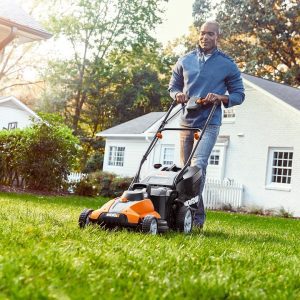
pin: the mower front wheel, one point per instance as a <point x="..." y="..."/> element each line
<point x="149" y="225"/>
<point x="184" y="219"/>
<point x="84" y="220"/>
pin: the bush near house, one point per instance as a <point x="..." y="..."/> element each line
<point x="102" y="183"/>
<point x="39" y="157"/>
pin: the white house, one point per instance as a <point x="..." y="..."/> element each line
<point x="15" y="114"/>
<point x="258" y="146"/>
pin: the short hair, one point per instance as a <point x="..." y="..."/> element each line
<point x="213" y="22"/>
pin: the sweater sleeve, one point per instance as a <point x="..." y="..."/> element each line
<point x="176" y="82"/>
<point x="235" y="87"/>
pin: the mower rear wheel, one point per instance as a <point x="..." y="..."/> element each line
<point x="84" y="217"/>
<point x="149" y="225"/>
<point x="184" y="219"/>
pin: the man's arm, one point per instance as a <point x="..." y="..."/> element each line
<point x="235" y="88"/>
<point x="176" y="84"/>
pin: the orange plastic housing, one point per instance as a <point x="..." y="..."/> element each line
<point x="135" y="211"/>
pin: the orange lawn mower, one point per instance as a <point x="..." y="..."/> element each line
<point x="163" y="200"/>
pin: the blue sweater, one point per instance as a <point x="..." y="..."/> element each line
<point x="196" y="78"/>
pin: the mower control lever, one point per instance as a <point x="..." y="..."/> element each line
<point x="194" y="103"/>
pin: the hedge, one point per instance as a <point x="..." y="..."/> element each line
<point x="102" y="183"/>
<point x="39" y="157"/>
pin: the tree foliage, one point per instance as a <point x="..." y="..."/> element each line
<point x="114" y="72"/>
<point x="262" y="35"/>
<point x="94" y="29"/>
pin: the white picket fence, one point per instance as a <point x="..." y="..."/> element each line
<point x="75" y="177"/>
<point x="218" y="193"/>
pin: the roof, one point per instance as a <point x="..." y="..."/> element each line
<point x="11" y="101"/>
<point x="136" y="126"/>
<point x="286" y="93"/>
<point x="12" y="15"/>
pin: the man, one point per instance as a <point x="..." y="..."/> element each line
<point x="205" y="73"/>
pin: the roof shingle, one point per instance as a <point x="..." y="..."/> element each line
<point x="286" y="93"/>
<point x="135" y="126"/>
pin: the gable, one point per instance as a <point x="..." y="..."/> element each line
<point x="278" y="91"/>
<point x="15" y="104"/>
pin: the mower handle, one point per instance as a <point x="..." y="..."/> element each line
<point x="161" y="128"/>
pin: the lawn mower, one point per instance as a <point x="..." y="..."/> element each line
<point x="162" y="200"/>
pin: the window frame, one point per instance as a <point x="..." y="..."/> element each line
<point x="163" y="149"/>
<point x="271" y="166"/>
<point x="114" y="155"/>
<point x="12" y="125"/>
<point x="231" y="112"/>
<point x="212" y="158"/>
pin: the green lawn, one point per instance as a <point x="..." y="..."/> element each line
<point x="44" y="255"/>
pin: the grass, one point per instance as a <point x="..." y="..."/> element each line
<point x="44" y="255"/>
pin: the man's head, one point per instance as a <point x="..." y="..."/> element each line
<point x="209" y="35"/>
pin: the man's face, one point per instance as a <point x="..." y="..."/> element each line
<point x="208" y="37"/>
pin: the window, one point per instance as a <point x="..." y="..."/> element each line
<point x="229" y="113"/>
<point x="280" y="167"/>
<point x="214" y="158"/>
<point x="168" y="155"/>
<point x="116" y="156"/>
<point x="12" y="125"/>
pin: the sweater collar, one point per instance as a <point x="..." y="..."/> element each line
<point x="200" y="51"/>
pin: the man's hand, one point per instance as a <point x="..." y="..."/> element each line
<point x="181" y="98"/>
<point x="211" y="98"/>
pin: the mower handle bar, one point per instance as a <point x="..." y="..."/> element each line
<point x="152" y="144"/>
<point x="161" y="128"/>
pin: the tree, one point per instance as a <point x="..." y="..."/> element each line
<point x="132" y="83"/>
<point x="93" y="29"/>
<point x="15" y="62"/>
<point x="262" y="35"/>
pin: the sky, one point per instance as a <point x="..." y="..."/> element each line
<point x="176" y="20"/>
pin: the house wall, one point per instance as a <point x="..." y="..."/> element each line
<point x="12" y="114"/>
<point x="262" y="122"/>
<point x="134" y="150"/>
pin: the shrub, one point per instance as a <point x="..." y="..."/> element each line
<point x="39" y="157"/>
<point x="105" y="184"/>
<point x="85" y="188"/>
<point x="119" y="185"/>
<point x="94" y="164"/>
<point x="284" y="213"/>
<point x="12" y="156"/>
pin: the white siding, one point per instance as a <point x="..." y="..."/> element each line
<point x="10" y="114"/>
<point x="261" y="122"/>
<point x="134" y="150"/>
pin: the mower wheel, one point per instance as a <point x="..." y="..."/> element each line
<point x="84" y="217"/>
<point x="162" y="226"/>
<point x="149" y="225"/>
<point x="184" y="219"/>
